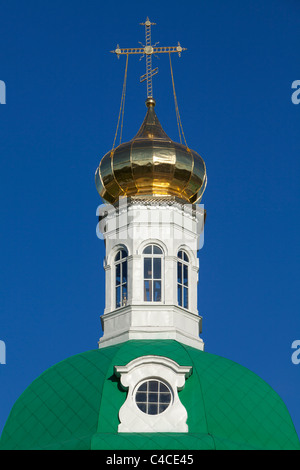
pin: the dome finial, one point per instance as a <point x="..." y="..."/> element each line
<point x="150" y="102"/>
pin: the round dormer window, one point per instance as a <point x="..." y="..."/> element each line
<point x="153" y="397"/>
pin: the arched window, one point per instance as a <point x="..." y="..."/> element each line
<point x="183" y="279"/>
<point x="121" y="278"/>
<point x="153" y="256"/>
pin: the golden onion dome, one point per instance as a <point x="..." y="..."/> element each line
<point x="151" y="164"/>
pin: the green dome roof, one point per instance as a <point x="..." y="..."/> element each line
<point x="75" y="405"/>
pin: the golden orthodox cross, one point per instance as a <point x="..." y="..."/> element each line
<point x="148" y="50"/>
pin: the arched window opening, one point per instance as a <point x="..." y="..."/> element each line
<point x="153" y="256"/>
<point x="121" y="287"/>
<point x="183" y="279"/>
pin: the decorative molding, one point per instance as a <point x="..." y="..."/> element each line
<point x="155" y="322"/>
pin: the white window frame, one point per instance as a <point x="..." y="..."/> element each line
<point x="115" y="263"/>
<point x="162" y="280"/>
<point x="186" y="263"/>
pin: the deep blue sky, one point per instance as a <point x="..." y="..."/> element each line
<point x="63" y="95"/>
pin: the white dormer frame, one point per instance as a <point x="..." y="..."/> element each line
<point x="165" y="370"/>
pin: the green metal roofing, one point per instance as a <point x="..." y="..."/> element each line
<point x="75" y="405"/>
